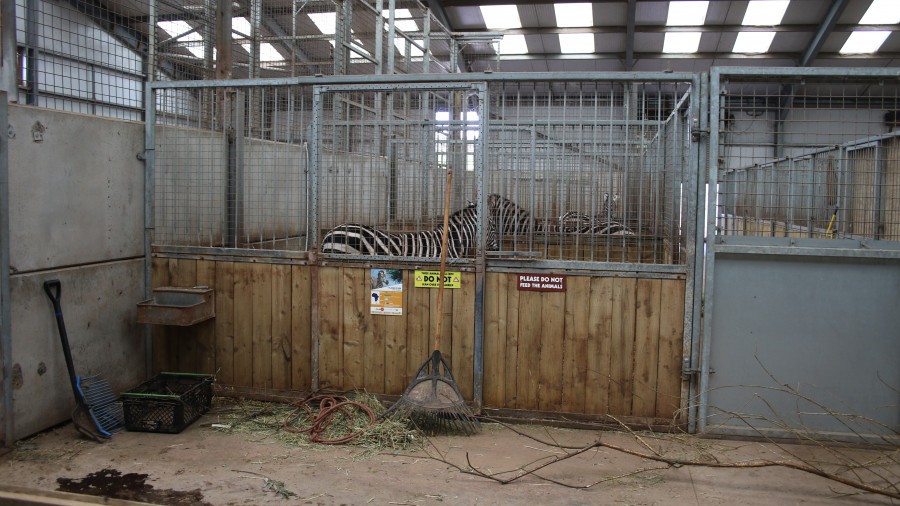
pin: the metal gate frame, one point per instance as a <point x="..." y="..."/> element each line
<point x="763" y="247"/>
<point x="692" y="222"/>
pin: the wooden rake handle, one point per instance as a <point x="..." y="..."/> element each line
<point x="440" y="300"/>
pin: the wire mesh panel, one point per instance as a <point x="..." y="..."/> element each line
<point x="809" y="157"/>
<point x="232" y="167"/>
<point x="93" y="57"/>
<point x="590" y="170"/>
<point x="382" y="158"/>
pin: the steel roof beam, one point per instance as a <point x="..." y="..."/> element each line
<point x="822" y="33"/>
<point x="629" y="35"/>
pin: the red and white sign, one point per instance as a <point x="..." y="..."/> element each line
<point x="542" y="282"/>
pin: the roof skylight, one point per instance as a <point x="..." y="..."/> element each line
<point x="414" y="51"/>
<point x="513" y="44"/>
<point x="500" y="17"/>
<point x="882" y="12"/>
<point x="576" y="42"/>
<point x="765" y="12"/>
<point x="691" y="13"/>
<point x="324" y="21"/>
<point x="753" y="42"/>
<point x="402" y="20"/>
<point x="184" y="33"/>
<point x="760" y="13"/>
<point x="681" y="42"/>
<point x="879" y="12"/>
<point x="864" y="42"/>
<point x="267" y="52"/>
<point x="574" y="15"/>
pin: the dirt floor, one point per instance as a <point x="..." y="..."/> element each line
<point x="205" y="466"/>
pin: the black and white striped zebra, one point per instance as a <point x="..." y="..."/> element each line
<point x="356" y="239"/>
<point x="513" y="221"/>
<point x="579" y="223"/>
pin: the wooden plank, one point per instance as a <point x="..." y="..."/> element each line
<point x="509" y="286"/>
<point x="463" y="331"/>
<point x="243" y="324"/>
<point x="622" y="351"/>
<point x="356" y="323"/>
<point x="494" y="341"/>
<point x="529" y="351"/>
<point x="575" y="352"/>
<point x="646" y="346"/>
<point x="599" y="345"/>
<point x="224" y="341"/>
<point x="330" y="338"/>
<point x="160" y="277"/>
<point x="301" y="344"/>
<point x="551" y="351"/>
<point x="261" y="292"/>
<point x="206" y="331"/>
<point x="281" y="326"/>
<point x="671" y="337"/>
<point x="183" y="353"/>
<point x="418" y="326"/>
<point x="395" y="346"/>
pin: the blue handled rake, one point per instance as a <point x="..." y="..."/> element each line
<point x="93" y="394"/>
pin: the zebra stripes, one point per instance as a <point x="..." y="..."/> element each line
<point x="513" y="221"/>
<point x="356" y="239"/>
<point x="505" y="220"/>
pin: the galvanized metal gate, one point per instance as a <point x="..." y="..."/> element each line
<point x="592" y="175"/>
<point x="802" y="281"/>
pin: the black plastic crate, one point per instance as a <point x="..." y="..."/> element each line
<point x="168" y="402"/>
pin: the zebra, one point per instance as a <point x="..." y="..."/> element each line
<point x="514" y="221"/>
<point x="580" y="223"/>
<point x="356" y="239"/>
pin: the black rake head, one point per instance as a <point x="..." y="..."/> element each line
<point x="433" y="402"/>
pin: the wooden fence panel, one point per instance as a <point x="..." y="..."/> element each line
<point x="607" y="345"/>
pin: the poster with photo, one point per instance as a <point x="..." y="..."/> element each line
<point x="386" y="294"/>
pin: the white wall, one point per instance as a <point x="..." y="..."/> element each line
<point x="76" y="214"/>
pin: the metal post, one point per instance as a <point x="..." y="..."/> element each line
<point x="313" y="218"/>
<point x="392" y="33"/>
<point x="149" y="210"/>
<point x="234" y="198"/>
<point x="713" y="177"/>
<point x="255" y="16"/>
<point x="426" y="45"/>
<point x="8" y="426"/>
<point x="31" y="37"/>
<point x="379" y="37"/>
<point x="9" y="80"/>
<point x="480" y="245"/>
<point x="695" y="271"/>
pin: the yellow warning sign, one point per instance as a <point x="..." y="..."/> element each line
<point x="429" y="279"/>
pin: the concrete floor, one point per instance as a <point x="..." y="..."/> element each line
<point x="203" y="466"/>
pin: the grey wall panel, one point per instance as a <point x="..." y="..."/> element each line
<point x="827" y="327"/>
<point x="99" y="307"/>
<point x="77" y="189"/>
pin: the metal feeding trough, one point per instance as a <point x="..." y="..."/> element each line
<point x="178" y="306"/>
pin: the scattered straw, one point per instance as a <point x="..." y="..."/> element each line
<point x="259" y="421"/>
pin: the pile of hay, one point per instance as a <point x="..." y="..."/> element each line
<point x="287" y="422"/>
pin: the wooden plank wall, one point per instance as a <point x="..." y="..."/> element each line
<point x="607" y="345"/>
<point x="381" y="353"/>
<point x="260" y="336"/>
